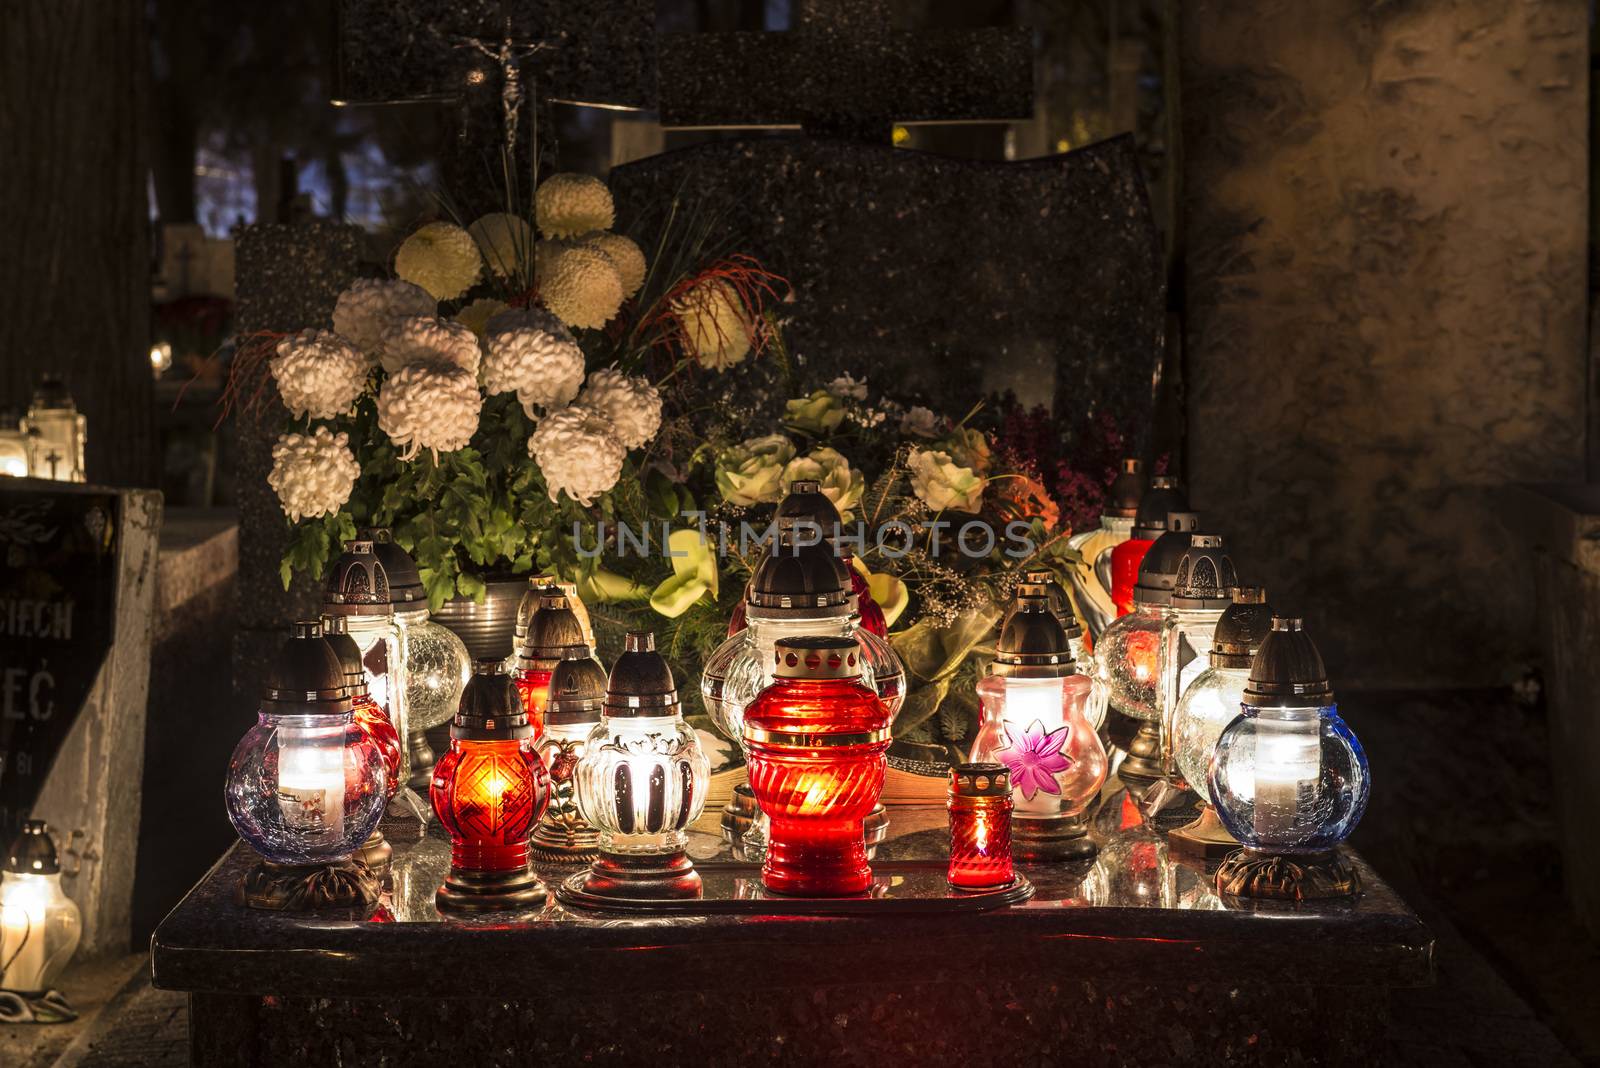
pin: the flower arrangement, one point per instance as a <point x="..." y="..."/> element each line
<point x="530" y="389"/>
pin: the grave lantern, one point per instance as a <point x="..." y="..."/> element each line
<point x="374" y="722"/>
<point x="980" y="827"/>
<point x="642" y="780"/>
<point x="1288" y="778"/>
<point x="306" y="786"/>
<point x="1033" y="703"/>
<point x="818" y="740"/>
<point x="554" y="634"/>
<point x="13" y="446"/>
<point x="357" y="590"/>
<point x="1150" y="522"/>
<point x="39" y="925"/>
<point x="1209" y="704"/>
<point x="56" y="433"/>
<point x="577" y="692"/>
<point x="488" y="792"/>
<point x="538" y="586"/>
<point x="1128" y="653"/>
<point x="1201" y="592"/>
<point x="1092" y="574"/>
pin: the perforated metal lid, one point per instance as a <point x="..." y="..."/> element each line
<point x="1287" y="671"/>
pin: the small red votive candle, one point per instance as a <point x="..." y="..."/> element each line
<point x="980" y="827"/>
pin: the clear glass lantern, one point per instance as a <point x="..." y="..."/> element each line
<point x="1033" y="703"/>
<point x="57" y="433"/>
<point x="39" y="925"/>
<point x="642" y="780"/>
<point x="1288" y="778"/>
<point x="577" y="691"/>
<point x="305" y="786"/>
<point x="1201" y="593"/>
<point x="13" y="446"/>
<point x="1091" y="575"/>
<point x="358" y="590"/>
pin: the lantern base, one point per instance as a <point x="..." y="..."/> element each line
<point x="874" y="829"/>
<point x="1310" y="877"/>
<point x="304" y="887"/>
<point x="629" y="875"/>
<point x="562" y="841"/>
<point x="1204" y="839"/>
<point x="375" y="854"/>
<point x="739" y="813"/>
<point x="422" y="761"/>
<point x="490" y="891"/>
<point x="1143" y="767"/>
<point x="1055" y="838"/>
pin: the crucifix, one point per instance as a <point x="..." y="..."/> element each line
<point x="845" y="71"/>
<point x="479" y="57"/>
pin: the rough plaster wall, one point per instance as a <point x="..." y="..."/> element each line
<point x="1385" y="218"/>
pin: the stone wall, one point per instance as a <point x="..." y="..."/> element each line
<point x="1385" y="211"/>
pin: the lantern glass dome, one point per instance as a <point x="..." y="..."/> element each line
<point x="39" y="925"/>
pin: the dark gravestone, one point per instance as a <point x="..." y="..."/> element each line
<point x="288" y="280"/>
<point x="470" y="54"/>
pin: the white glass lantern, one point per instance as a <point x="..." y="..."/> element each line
<point x="56" y="433"/>
<point x="358" y="589"/>
<point x="39" y="925"/>
<point x="1202" y="591"/>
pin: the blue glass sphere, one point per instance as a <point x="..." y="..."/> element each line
<point x="1289" y="780"/>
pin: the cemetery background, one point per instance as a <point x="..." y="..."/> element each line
<point x="1382" y="513"/>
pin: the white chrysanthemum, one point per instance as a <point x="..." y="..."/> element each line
<point x="441" y="258"/>
<point x="577" y="452"/>
<point x="624" y="254"/>
<point x="313" y="474"/>
<point x="571" y="204"/>
<point x="319" y="373"/>
<point x="940" y="483"/>
<point x="631" y="405"/>
<point x="420" y="338"/>
<point x="505" y="240"/>
<point x="582" y="288"/>
<point x="429" y="405"/>
<point x="528" y="351"/>
<point x="714" y="326"/>
<point x="544" y="258"/>
<point x="369" y="304"/>
<point x="476" y="316"/>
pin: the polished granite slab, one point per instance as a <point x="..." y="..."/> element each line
<point x="1077" y="969"/>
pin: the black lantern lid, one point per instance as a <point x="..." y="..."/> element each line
<point x="1041" y="582"/>
<point x="641" y="682"/>
<point x="1206" y="576"/>
<point x="1163" y="497"/>
<point x="816" y="657"/>
<point x="577" y="692"/>
<point x="554" y="633"/>
<point x="1242" y="628"/>
<point x="491" y="709"/>
<point x="1032" y="643"/>
<point x="1127" y="489"/>
<point x="336" y="632"/>
<point x="33" y="851"/>
<point x="805" y="502"/>
<point x="306" y="678"/>
<point x="1288" y="672"/>
<point x="800" y="580"/>
<point x="358" y="583"/>
<point x="1158" y="572"/>
<point x="980" y="780"/>
<point x="51" y="392"/>
<point x="405" y="581"/>
<point x="538" y="586"/>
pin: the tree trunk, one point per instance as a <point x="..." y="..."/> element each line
<point x="75" y="280"/>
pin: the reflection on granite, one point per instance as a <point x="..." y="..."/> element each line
<point x="1129" y="956"/>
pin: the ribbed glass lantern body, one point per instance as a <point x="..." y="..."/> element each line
<point x="980" y="842"/>
<point x="1208" y="705"/>
<point x="1127" y="661"/>
<point x="305" y="789"/>
<point x="39" y="930"/>
<point x="641" y="781"/>
<point x="437" y="668"/>
<point x="374" y="723"/>
<point x="818" y="753"/>
<point x="1289" y="780"/>
<point x="488" y="795"/>
<point x="1038" y="729"/>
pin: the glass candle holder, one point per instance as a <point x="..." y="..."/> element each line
<point x="13" y="446"/>
<point x="642" y="780"/>
<point x="1288" y="778"/>
<point x="818" y="741"/>
<point x="357" y="589"/>
<point x="375" y="852"/>
<point x="56" y="433"/>
<point x="488" y="792"/>
<point x="1202" y="591"/>
<point x="577" y="694"/>
<point x="306" y="786"/>
<point x="39" y="925"/>
<point x="980" y="827"/>
<point x="1160" y="499"/>
<point x="554" y="634"/>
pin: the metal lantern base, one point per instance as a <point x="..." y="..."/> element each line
<point x="1052" y="839"/>
<point x="565" y="841"/>
<point x="1311" y="877"/>
<point x="1204" y="839"/>
<point x="1143" y="767"/>
<point x="422" y="761"/>
<point x="305" y="887"/>
<point x="632" y="876"/>
<point x="739" y="814"/>
<point x="490" y="891"/>
<point x="375" y="854"/>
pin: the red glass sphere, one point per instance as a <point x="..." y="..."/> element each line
<point x="375" y="724"/>
<point x="817" y="756"/>
<point x="1125" y="561"/>
<point x="488" y="795"/>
